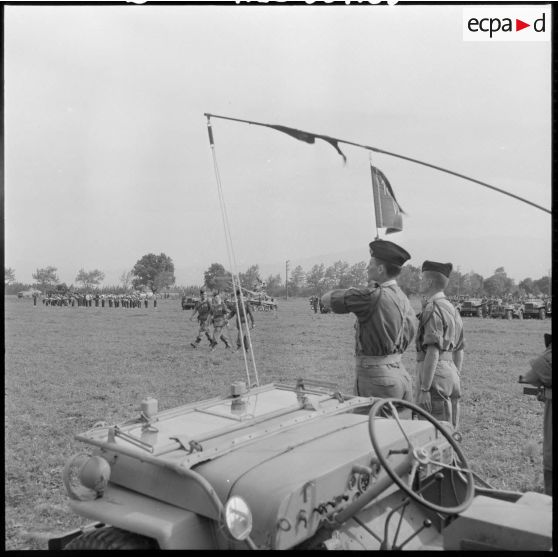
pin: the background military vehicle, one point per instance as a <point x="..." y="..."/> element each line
<point x="259" y="300"/>
<point x="471" y="307"/>
<point x="535" y="308"/>
<point x="507" y="310"/>
<point x="290" y="467"/>
<point x="188" y="302"/>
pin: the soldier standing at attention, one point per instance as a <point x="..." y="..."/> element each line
<point x="245" y="310"/>
<point x="203" y="310"/>
<point x="440" y="347"/>
<point x="385" y="324"/>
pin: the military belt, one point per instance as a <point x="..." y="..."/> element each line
<point x="444" y="355"/>
<point x="378" y="360"/>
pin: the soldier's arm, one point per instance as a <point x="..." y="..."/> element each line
<point x="428" y="368"/>
<point x="343" y="301"/>
<point x="458" y="359"/>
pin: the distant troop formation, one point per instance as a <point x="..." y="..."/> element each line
<point x="134" y="300"/>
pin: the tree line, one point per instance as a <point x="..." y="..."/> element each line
<point x="156" y="273"/>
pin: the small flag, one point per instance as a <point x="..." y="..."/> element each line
<point x="388" y="211"/>
<point x="308" y="138"/>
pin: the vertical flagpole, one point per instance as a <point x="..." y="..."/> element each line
<point x="375" y="201"/>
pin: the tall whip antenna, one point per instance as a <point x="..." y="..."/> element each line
<point x="232" y="263"/>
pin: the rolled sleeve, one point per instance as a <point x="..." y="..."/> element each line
<point x="434" y="332"/>
<point x="357" y="301"/>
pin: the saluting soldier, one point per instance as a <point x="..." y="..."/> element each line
<point x="385" y="324"/>
<point x="204" y="312"/>
<point x="440" y="346"/>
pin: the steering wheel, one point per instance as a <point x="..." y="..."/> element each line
<point x="417" y="456"/>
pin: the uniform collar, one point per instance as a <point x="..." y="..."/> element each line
<point x="389" y="283"/>
<point x="436" y="296"/>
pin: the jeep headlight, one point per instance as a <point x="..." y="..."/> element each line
<point x="86" y="477"/>
<point x="238" y="518"/>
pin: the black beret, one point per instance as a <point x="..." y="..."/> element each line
<point x="389" y="252"/>
<point x="443" y="268"/>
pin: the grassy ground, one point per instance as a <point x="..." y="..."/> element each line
<point x="67" y="368"/>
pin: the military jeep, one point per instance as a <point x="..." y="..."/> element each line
<point x="507" y="310"/>
<point x="535" y="308"/>
<point x="471" y="307"/>
<point x="290" y="467"/>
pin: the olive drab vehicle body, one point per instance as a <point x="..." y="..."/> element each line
<point x="535" y="308"/>
<point x="290" y="467"/>
<point x="471" y="307"/>
<point x="188" y="302"/>
<point x="507" y="310"/>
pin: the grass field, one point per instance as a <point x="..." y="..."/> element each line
<point x="67" y="368"/>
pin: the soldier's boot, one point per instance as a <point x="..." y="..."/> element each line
<point x="196" y="342"/>
<point x="213" y="344"/>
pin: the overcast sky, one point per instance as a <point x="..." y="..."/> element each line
<point x="107" y="156"/>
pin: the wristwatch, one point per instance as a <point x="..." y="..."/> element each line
<point x="424" y="389"/>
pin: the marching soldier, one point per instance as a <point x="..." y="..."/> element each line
<point x="440" y="347"/>
<point x="245" y="310"/>
<point x="219" y="313"/>
<point x="204" y="312"/>
<point x="385" y="324"/>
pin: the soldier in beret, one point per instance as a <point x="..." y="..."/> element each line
<point x="440" y="346"/>
<point x="385" y="324"/>
<point x="540" y="375"/>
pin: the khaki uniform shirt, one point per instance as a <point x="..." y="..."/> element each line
<point x="440" y="324"/>
<point x="385" y="319"/>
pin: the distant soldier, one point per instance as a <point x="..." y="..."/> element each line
<point x="154" y="301"/>
<point x="245" y="310"/>
<point x="203" y="311"/>
<point x="219" y="313"/>
<point x="440" y="346"/>
<point x="314" y="301"/>
<point x="34" y="299"/>
<point x="145" y="302"/>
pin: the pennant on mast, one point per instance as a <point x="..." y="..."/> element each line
<point x="389" y="214"/>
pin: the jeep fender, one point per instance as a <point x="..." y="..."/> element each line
<point x="172" y="527"/>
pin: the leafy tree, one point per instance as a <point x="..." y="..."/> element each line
<point x="527" y="286"/>
<point x="296" y="280"/>
<point x="472" y="283"/>
<point x="274" y="285"/>
<point x="499" y="284"/>
<point x="315" y="277"/>
<point x="9" y="276"/>
<point x="148" y="269"/>
<point x="357" y="275"/>
<point x="250" y="279"/>
<point x="126" y="279"/>
<point x="542" y="285"/>
<point x="46" y="277"/>
<point x="89" y="279"/>
<point x="409" y="279"/>
<point x="217" y="277"/>
<point x="337" y="275"/>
